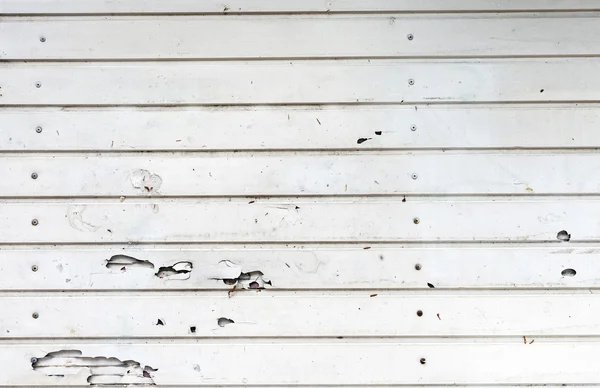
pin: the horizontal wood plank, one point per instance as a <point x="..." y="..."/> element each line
<point x="266" y="6"/>
<point x="299" y="174"/>
<point x="299" y="36"/>
<point x="262" y="314"/>
<point x="362" y="267"/>
<point x="289" y="82"/>
<point x="329" y="363"/>
<point x="299" y="220"/>
<point x="300" y="128"/>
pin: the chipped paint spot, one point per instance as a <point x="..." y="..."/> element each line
<point x="120" y="261"/>
<point x="147" y="182"/>
<point x="222" y="322"/>
<point x="75" y="217"/>
<point x="71" y="366"/>
<point x="179" y="271"/>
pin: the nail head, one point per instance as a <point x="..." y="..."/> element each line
<point x="34" y="222"/>
<point x="38" y="84"/>
<point x="418" y="267"/>
<point x="33" y="360"/>
<point x="416" y="221"/>
<point x="34" y="268"/>
<point x="413" y="127"/>
<point x="410" y="37"/>
<point x="35" y="315"/>
<point x="419" y="313"/>
<point x="34" y="175"/>
<point x="38" y="129"/>
<point x="411" y="81"/>
<point x="414" y="176"/>
<point x="422" y="361"/>
<point x="42" y="39"/>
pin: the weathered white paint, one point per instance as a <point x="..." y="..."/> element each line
<point x="300" y="128"/>
<point x="302" y="81"/>
<point x="266" y="6"/>
<point x="301" y="220"/>
<point x="314" y="179"/>
<point x="302" y="267"/>
<point x="264" y="314"/>
<point x="304" y="174"/>
<point x="342" y="361"/>
<point x="304" y="36"/>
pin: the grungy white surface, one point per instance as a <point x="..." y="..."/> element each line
<point x="314" y="193"/>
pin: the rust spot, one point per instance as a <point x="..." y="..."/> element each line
<point x="372" y="295"/>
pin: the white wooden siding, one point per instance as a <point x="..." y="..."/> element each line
<point x="307" y="193"/>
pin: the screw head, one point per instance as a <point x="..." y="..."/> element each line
<point x="35" y="315"/>
<point x="416" y="221"/>
<point x="411" y="81"/>
<point x="410" y="37"/>
<point x="34" y="175"/>
<point x="422" y="361"/>
<point x="33" y="360"/>
<point x="414" y="176"/>
<point x="34" y="268"/>
<point x="419" y="313"/>
<point x="34" y="222"/>
<point x="38" y="129"/>
<point x="418" y="267"/>
<point x="413" y="127"/>
<point x="38" y="84"/>
<point x="42" y="39"/>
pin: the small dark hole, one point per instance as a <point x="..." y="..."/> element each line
<point x="378" y="133"/>
<point x="430" y="285"/>
<point x="541" y="90"/>
<point x="418" y="267"/>
<point x="160" y="322"/>
<point x="192" y="329"/>
<point x="568" y="272"/>
<point x="419" y="313"/>
<point x="33" y="360"/>
<point x="254" y="285"/>
<point x="422" y="361"/>
<point x="563" y="235"/>
<point x="222" y="322"/>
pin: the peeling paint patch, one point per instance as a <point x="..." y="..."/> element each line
<point x="146" y="181"/>
<point x="179" y="271"/>
<point x="75" y="217"/>
<point x="120" y="261"/>
<point x="99" y="370"/>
